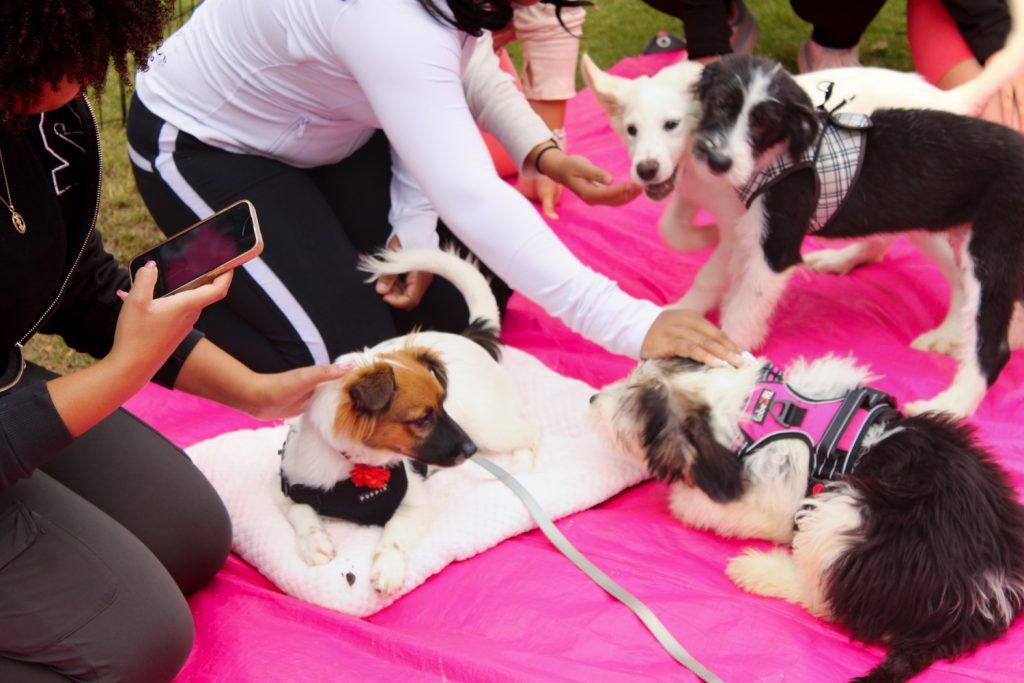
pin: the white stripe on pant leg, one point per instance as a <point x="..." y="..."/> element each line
<point x="292" y="309"/>
<point x="257" y="268"/>
<point x="139" y="160"/>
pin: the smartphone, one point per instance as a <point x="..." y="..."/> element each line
<point x="197" y="255"/>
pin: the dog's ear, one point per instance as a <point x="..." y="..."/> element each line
<point x="681" y="76"/>
<point x="801" y="129"/>
<point x="711" y="76"/>
<point x="666" y="449"/>
<point x="715" y="470"/>
<point x="371" y="392"/>
<point x="609" y="90"/>
<point x="435" y="365"/>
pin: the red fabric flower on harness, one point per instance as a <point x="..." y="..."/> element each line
<point x="368" y="477"/>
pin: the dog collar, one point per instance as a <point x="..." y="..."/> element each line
<point x="833" y="428"/>
<point x="369" y="496"/>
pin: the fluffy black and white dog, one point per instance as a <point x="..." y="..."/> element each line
<point x="916" y="170"/>
<point x="919" y="546"/>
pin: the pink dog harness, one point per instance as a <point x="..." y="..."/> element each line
<point x="832" y="428"/>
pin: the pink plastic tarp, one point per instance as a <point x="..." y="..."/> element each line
<point x="520" y="610"/>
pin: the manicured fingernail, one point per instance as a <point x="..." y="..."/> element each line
<point x="151" y="264"/>
<point x="121" y="294"/>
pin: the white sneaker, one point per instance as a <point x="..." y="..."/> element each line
<point x="814" y="57"/>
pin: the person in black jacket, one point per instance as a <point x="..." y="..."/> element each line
<point x="104" y="525"/>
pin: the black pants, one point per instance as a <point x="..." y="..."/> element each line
<point x="836" y="24"/>
<point x="303" y="301"/>
<point x="97" y="551"/>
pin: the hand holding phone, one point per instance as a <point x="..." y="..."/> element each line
<point x="198" y="254"/>
<point x="149" y="329"/>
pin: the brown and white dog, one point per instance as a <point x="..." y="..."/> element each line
<point x="361" y="450"/>
<point x="919" y="547"/>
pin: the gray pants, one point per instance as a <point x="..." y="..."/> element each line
<point x="97" y="551"/>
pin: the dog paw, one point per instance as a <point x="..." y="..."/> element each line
<point x="316" y="548"/>
<point x="387" y="573"/>
<point x="940" y="340"/>
<point x="744" y="570"/>
<point x="830" y="261"/>
<point x="772" y="574"/>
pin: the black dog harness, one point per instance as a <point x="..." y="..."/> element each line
<point x="370" y="501"/>
<point x="833" y="429"/>
<point x="836" y="157"/>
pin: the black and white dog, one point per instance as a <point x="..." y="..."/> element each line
<point x="910" y="170"/>
<point x="903" y="530"/>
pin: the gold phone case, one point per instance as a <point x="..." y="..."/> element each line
<point x="244" y="257"/>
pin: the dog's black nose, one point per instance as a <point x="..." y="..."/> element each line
<point x="646" y="170"/>
<point x="718" y="162"/>
<point x="468" y="448"/>
<point x="593" y="398"/>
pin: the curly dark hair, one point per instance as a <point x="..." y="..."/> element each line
<point x="46" y="41"/>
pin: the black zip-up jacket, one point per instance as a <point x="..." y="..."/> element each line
<point x="83" y="306"/>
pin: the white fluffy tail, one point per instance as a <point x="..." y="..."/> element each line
<point x="1001" y="68"/>
<point x="464" y="274"/>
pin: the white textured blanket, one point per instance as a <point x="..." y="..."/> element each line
<point x="574" y="470"/>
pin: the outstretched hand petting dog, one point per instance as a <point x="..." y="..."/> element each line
<point x="678" y="332"/>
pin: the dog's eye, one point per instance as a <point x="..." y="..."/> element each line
<point x="631" y="129"/>
<point x="425" y="421"/>
<point x="671" y="125"/>
<point x="764" y="116"/>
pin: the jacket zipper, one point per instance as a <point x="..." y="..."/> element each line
<point x="92" y="228"/>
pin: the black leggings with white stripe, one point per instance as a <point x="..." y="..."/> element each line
<point x="302" y="301"/>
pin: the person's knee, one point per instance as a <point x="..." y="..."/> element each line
<point x="208" y="547"/>
<point x="154" y="648"/>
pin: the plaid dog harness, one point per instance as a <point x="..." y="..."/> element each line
<point x="836" y="157"/>
<point x="832" y="428"/>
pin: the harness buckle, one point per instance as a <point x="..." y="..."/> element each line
<point x="790" y="415"/>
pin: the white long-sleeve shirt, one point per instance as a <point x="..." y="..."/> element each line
<point x="309" y="81"/>
<point x="500" y="109"/>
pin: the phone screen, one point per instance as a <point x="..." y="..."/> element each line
<point x="201" y="249"/>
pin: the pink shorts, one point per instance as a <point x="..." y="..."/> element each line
<point x="549" y="51"/>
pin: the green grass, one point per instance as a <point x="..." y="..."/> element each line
<point x="614" y="29"/>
